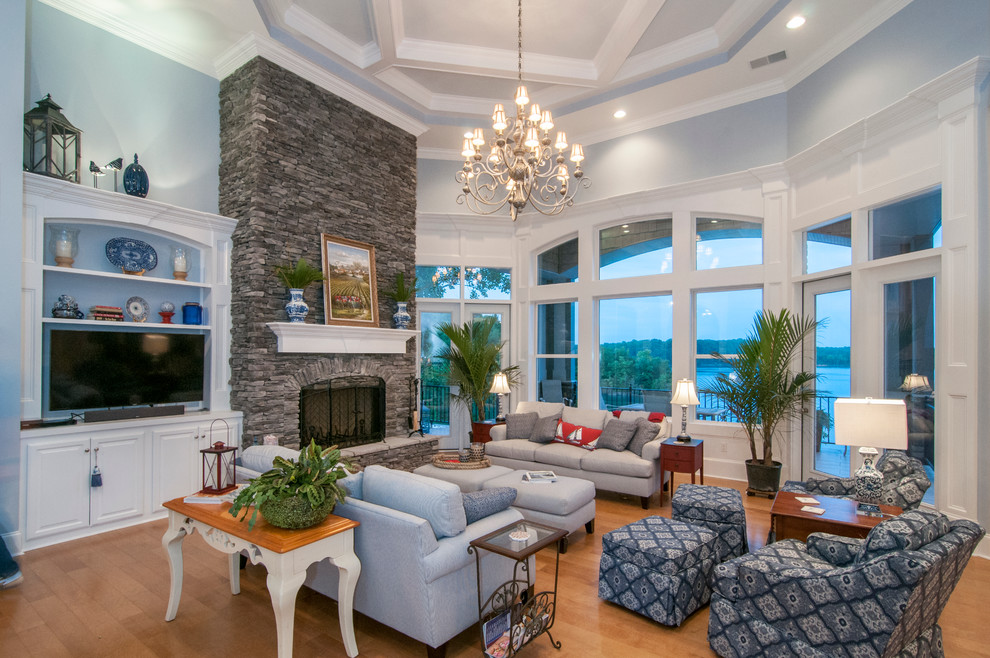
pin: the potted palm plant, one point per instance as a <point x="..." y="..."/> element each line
<point x="473" y="352"/>
<point x="401" y="294"/>
<point x="295" y="494"/>
<point x="297" y="279"/>
<point x="762" y="391"/>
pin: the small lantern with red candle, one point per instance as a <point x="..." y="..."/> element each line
<point x="219" y="469"/>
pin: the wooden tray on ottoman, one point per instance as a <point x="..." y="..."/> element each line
<point x="441" y="461"/>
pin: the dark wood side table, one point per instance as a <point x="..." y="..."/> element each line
<point x="788" y="521"/>
<point x="481" y="432"/>
<point x="681" y="457"/>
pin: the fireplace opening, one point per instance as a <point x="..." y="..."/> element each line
<point x="344" y="411"/>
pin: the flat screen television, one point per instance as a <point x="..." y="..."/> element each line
<point x="94" y="369"/>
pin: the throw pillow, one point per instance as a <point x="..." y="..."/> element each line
<point x="909" y="531"/>
<point x="616" y="435"/>
<point x="544" y="429"/>
<point x="484" y="503"/>
<point x="520" y="426"/>
<point x="576" y="435"/>
<point x="645" y="432"/>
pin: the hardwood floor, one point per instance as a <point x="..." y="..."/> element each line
<point x="106" y="596"/>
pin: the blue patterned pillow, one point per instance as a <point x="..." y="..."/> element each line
<point x="909" y="531"/>
<point x="479" y="504"/>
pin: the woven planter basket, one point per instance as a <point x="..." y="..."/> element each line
<point x="295" y="513"/>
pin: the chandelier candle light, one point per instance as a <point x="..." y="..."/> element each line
<point x="684" y="395"/>
<point x="519" y="167"/>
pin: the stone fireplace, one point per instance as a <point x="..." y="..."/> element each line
<point x="345" y="411"/>
<point x="296" y="162"/>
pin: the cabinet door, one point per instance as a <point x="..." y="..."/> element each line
<point x="121" y="459"/>
<point x="57" y="486"/>
<point x="176" y="463"/>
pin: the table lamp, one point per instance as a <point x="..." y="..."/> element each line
<point x="684" y="395"/>
<point x="916" y="382"/>
<point x="871" y="424"/>
<point x="500" y="385"/>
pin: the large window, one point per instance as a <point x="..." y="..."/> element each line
<point x="438" y="281"/>
<point x="727" y="243"/>
<point x="558" y="264"/>
<point x="723" y="319"/>
<point x="635" y="249"/>
<point x="444" y="282"/>
<point x="634" y="338"/>
<point x="487" y="283"/>
<point x="556" y="362"/>
<point x="907" y="226"/>
<point x="828" y="245"/>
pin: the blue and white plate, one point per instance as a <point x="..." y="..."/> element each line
<point x="131" y="255"/>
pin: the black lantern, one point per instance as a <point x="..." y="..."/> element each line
<point x="219" y="469"/>
<point x="51" y="143"/>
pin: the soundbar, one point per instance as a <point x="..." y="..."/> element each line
<point x="133" y="412"/>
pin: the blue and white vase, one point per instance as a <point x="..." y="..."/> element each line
<point x="297" y="309"/>
<point x="401" y="318"/>
<point x="136" y="179"/>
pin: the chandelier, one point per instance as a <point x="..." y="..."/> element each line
<point x="517" y="166"/>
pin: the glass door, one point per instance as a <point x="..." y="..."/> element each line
<point x="501" y="314"/>
<point x="434" y="390"/>
<point x="829" y="301"/>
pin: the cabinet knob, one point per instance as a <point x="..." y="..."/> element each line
<point x="86" y="450"/>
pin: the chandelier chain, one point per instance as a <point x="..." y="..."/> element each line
<point x="520" y="41"/>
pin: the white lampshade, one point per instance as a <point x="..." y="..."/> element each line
<point x="915" y="381"/>
<point x="876" y="423"/>
<point x="684" y="393"/>
<point x="500" y="384"/>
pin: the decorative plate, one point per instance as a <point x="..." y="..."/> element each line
<point x="138" y="309"/>
<point x="131" y="255"/>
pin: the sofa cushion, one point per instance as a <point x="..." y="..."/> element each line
<point x="617" y="463"/>
<point x="545" y="429"/>
<point x="645" y="432"/>
<point x="559" y="454"/>
<point x="909" y="531"/>
<point x="542" y="408"/>
<point x="436" y="501"/>
<point x="577" y="435"/>
<point x="520" y="426"/>
<point x="354" y="484"/>
<point x="484" y="503"/>
<point x="260" y="458"/>
<point x="593" y="418"/>
<point x="522" y="449"/>
<point x="616" y="435"/>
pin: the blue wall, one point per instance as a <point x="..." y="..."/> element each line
<point x="128" y="100"/>
<point x="922" y="41"/>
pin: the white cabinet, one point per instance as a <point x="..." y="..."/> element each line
<point x="58" y="480"/>
<point x="142" y="463"/>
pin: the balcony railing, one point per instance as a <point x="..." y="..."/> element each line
<point x="436" y="404"/>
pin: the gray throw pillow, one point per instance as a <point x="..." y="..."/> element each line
<point x="645" y="432"/>
<point x="545" y="429"/>
<point x="480" y="504"/>
<point x="617" y="435"/>
<point x="520" y="426"/>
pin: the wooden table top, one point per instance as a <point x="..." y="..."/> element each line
<point x="837" y="510"/>
<point x="278" y="540"/>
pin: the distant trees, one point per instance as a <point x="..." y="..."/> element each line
<point x="636" y="364"/>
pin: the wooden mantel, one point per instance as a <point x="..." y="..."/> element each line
<point x="298" y="337"/>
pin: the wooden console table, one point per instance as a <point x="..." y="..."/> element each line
<point x="787" y="521"/>
<point x="285" y="553"/>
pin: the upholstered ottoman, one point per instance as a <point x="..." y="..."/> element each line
<point x="468" y="479"/>
<point x="567" y="503"/>
<point x="659" y="567"/>
<point x="718" y="508"/>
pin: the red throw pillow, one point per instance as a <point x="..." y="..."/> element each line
<point x="576" y="435"/>
<point x="656" y="416"/>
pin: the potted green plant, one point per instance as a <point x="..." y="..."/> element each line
<point x="297" y="279"/>
<point x="402" y="294"/>
<point x="762" y="391"/>
<point x="295" y="494"/>
<point x="473" y="353"/>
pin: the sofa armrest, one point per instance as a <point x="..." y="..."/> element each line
<point x="834" y="549"/>
<point x="452" y="552"/>
<point x="497" y="433"/>
<point x="651" y="451"/>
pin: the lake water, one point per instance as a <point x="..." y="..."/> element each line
<point x="832" y="381"/>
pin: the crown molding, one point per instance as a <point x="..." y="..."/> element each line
<point x="437" y="153"/>
<point x="308" y="25"/>
<point x="680" y="52"/>
<point x="253" y="45"/>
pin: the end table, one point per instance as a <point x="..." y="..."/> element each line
<point x="682" y="457"/>
<point x="480" y="432"/>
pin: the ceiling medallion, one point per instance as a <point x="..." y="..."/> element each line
<point x="520" y="167"/>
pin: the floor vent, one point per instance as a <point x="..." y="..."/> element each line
<point x="769" y="59"/>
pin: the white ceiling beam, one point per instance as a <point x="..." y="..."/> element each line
<point x="303" y="22"/>
<point x="629" y="26"/>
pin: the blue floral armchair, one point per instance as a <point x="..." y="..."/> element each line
<point x="840" y="597"/>
<point x="904" y="482"/>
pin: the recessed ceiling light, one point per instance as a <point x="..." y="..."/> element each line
<point x="795" y="22"/>
<point x="618" y="114"/>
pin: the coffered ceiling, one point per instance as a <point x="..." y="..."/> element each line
<point x="436" y="67"/>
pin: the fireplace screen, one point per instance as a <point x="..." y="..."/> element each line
<point x="344" y="411"/>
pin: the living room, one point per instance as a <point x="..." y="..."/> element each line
<point x="893" y="111"/>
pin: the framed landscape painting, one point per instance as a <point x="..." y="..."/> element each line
<point x="350" y="293"/>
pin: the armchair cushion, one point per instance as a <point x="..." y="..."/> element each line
<point x="909" y="531"/>
<point x="545" y="429"/>
<point x="260" y="458"/>
<point x="437" y="501"/>
<point x="834" y="549"/>
<point x="616" y="435"/>
<point x="484" y="503"/>
<point x="645" y="432"/>
<point x="520" y="425"/>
